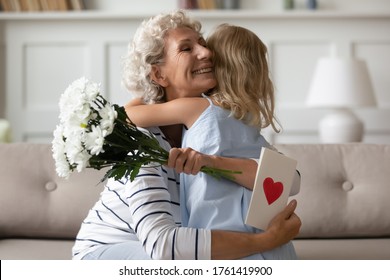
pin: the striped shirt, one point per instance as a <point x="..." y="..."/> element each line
<point x="146" y="209"/>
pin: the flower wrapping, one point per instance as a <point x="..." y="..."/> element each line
<point x="93" y="133"/>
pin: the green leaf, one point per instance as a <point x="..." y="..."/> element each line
<point x="134" y="172"/>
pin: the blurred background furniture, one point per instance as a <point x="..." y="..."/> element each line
<point x="5" y="131"/>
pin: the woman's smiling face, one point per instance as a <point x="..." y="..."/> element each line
<point x="187" y="68"/>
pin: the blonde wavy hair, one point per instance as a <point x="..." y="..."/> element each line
<point x="241" y="69"/>
<point x="146" y="49"/>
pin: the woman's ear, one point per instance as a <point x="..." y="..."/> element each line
<point x="157" y="76"/>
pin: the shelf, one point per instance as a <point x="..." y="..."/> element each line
<point x="234" y="14"/>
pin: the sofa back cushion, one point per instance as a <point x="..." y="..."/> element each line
<point x="34" y="201"/>
<point x="345" y="189"/>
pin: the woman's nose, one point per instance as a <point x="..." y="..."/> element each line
<point x="204" y="52"/>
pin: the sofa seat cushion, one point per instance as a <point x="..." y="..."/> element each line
<point x="35" y="249"/>
<point x="343" y="249"/>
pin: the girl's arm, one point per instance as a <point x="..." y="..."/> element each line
<point x="186" y="111"/>
<point x="179" y="111"/>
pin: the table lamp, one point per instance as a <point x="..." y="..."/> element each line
<point x="341" y="85"/>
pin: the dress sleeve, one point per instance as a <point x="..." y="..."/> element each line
<point x="296" y="185"/>
<point x="153" y="220"/>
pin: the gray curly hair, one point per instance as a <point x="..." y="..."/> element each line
<point x="146" y="49"/>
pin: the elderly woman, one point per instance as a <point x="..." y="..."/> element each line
<point x="141" y="219"/>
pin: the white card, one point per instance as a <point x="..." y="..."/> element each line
<point x="274" y="178"/>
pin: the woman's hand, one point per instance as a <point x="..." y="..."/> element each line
<point x="284" y="227"/>
<point x="187" y="160"/>
<point x="234" y="245"/>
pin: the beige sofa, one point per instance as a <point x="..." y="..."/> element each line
<point x="344" y="202"/>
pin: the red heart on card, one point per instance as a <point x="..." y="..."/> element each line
<point x="272" y="190"/>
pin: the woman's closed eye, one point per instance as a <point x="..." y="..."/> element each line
<point x="186" y="49"/>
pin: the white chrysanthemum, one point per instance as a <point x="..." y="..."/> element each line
<point x="75" y="103"/>
<point x="82" y="160"/>
<point x="73" y="147"/>
<point x="73" y="129"/>
<point x="108" y="115"/>
<point x="91" y="91"/>
<point x="71" y="100"/>
<point x="94" y="140"/>
<point x="58" y="149"/>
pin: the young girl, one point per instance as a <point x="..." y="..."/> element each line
<point x="225" y="122"/>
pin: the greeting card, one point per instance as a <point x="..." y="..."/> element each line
<point x="274" y="178"/>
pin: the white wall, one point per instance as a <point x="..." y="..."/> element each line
<point x="46" y="52"/>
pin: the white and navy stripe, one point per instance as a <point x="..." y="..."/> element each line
<point x="148" y="209"/>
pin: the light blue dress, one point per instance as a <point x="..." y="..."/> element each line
<point x="220" y="204"/>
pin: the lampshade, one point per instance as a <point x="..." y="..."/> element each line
<point x="341" y="83"/>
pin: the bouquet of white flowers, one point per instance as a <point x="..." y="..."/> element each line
<point x="92" y="133"/>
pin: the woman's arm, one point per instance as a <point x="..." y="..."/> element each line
<point x="179" y="111"/>
<point x="283" y="228"/>
<point x="149" y="202"/>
